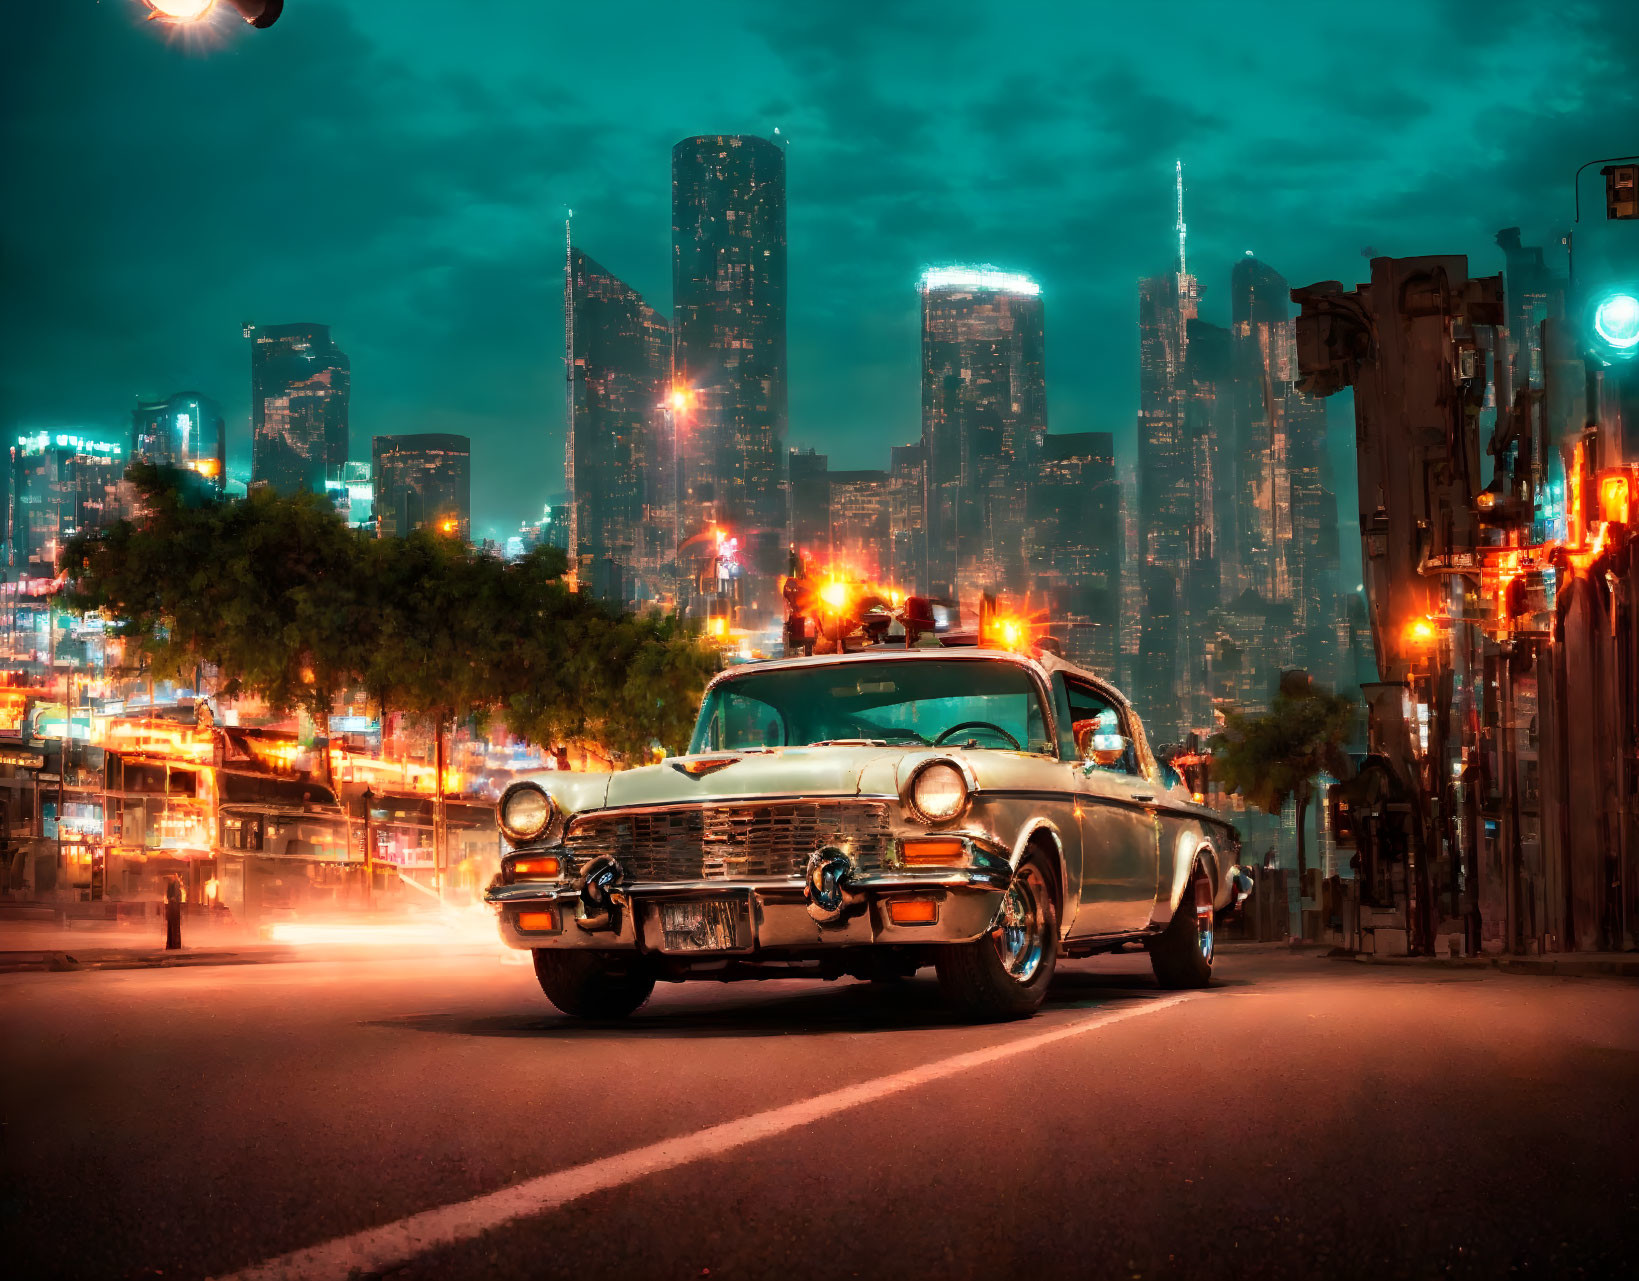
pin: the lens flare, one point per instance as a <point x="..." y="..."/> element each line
<point x="180" y="10"/>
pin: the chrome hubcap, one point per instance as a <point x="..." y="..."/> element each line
<point x="1203" y="918"/>
<point x="1021" y="935"/>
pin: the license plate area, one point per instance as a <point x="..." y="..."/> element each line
<point x="717" y="924"/>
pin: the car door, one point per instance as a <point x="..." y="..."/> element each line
<point x="1120" y="845"/>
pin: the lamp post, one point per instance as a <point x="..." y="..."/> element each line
<point x="369" y="799"/>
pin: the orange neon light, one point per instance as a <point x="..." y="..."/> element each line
<point x="1614" y="499"/>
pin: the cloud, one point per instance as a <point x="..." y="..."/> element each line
<point x="406" y="183"/>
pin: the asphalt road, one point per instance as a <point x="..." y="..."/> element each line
<point x="1302" y="1118"/>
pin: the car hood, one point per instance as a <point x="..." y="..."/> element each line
<point x="845" y="769"/>
<point x="842" y="770"/>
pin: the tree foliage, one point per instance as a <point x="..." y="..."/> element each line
<point x="1272" y="758"/>
<point x="294" y="607"/>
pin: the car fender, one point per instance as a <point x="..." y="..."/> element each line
<point x="1041" y="825"/>
<point x="1192" y="844"/>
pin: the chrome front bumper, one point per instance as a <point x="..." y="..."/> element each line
<point x="773" y="916"/>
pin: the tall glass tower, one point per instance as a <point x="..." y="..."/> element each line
<point x="729" y="344"/>
<point x="984" y="414"/>
<point x="299" y="389"/>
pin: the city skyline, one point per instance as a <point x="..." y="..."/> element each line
<point x="877" y="191"/>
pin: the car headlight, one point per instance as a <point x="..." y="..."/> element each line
<point x="938" y="792"/>
<point x="525" y="811"/>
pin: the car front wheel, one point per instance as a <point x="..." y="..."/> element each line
<point x="1005" y="974"/>
<point x="1182" y="955"/>
<point x="587" y="986"/>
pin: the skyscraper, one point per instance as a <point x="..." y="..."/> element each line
<point x="299" y="387"/>
<point x="1264" y="358"/>
<point x="422" y="481"/>
<point x="619" y="458"/>
<point x="907" y="528"/>
<point x="729" y="344"/>
<point x="61" y="484"/>
<point x="1075" y="545"/>
<point x="810" y="506"/>
<point x="860" y="522"/>
<point x="1167" y="521"/>
<point x="1535" y="293"/>
<point x="984" y="413"/>
<point x="183" y="431"/>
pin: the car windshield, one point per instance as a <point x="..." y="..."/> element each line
<point x="956" y="702"/>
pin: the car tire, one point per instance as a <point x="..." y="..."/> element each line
<point x="1183" y="953"/>
<point x="1005" y="974"/>
<point x="585" y="986"/>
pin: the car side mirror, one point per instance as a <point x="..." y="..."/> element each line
<point x="1102" y="749"/>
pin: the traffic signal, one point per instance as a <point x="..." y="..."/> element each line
<point x="1612" y="323"/>
<point x="1621" y="191"/>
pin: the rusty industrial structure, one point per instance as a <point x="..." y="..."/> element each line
<point x="1496" y="809"/>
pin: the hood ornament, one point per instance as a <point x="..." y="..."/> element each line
<point x="699" y="766"/>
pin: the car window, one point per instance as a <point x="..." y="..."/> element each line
<point x="956" y="702"/>
<point x="1097" y="722"/>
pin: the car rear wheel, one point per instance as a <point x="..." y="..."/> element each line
<point x="1005" y="974"/>
<point x="587" y="986"/>
<point x="1182" y="955"/>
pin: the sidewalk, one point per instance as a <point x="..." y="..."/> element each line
<point x="1555" y="964"/>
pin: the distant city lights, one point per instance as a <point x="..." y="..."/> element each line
<point x="979" y="277"/>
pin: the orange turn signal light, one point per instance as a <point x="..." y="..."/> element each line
<point x="538" y="922"/>
<point x="547" y="867"/>
<point x="913" y="911"/>
<point x="938" y="852"/>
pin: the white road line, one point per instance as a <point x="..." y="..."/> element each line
<point x="391" y="1244"/>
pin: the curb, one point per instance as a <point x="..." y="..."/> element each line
<point x="1571" y="966"/>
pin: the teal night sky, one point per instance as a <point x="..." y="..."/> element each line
<point x="400" y="170"/>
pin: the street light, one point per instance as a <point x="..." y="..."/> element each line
<point x="259" y="13"/>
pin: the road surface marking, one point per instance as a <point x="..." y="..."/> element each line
<point x="392" y="1244"/>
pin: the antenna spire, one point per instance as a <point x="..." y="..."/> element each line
<point x="1178" y="169"/>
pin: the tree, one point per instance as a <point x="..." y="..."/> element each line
<point x="1273" y="757"/>
<point x="291" y="605"/>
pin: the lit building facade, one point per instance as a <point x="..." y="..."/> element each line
<point x="907" y="497"/>
<point x="808" y="477"/>
<point x="984" y="414"/>
<point x="619" y="457"/>
<point x="1075" y="545"/>
<point x="183" y="431"/>
<point x="1167" y="521"/>
<point x="61" y="484"/>
<point x="422" y="481"/>
<point x="860" y="528"/>
<point x="299" y="388"/>
<point x="1265" y="366"/>
<point x="729" y="347"/>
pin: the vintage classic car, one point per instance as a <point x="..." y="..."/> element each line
<point x="983" y="811"/>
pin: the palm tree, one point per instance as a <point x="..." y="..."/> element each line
<point x="1272" y="757"/>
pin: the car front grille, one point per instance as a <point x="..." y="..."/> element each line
<point x="732" y="842"/>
